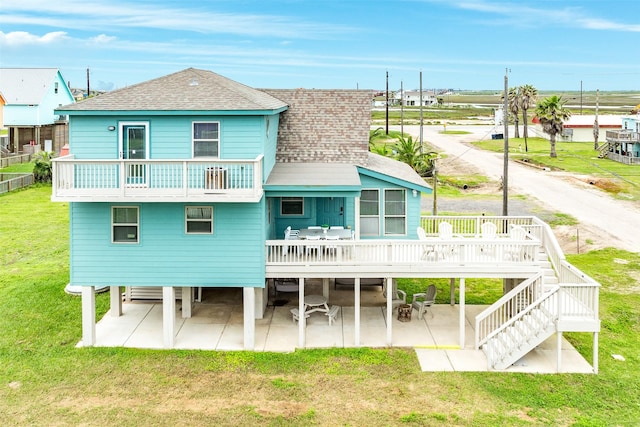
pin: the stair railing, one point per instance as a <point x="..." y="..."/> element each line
<point x="506" y="308"/>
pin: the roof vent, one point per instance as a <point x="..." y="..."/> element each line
<point x="194" y="82"/>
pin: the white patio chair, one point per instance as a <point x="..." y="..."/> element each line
<point x="422" y="301"/>
<point x="313" y="247"/>
<point x="488" y="230"/>
<point x="314" y="227"/>
<point x="336" y="227"/>
<point x="332" y="248"/>
<point x="513" y="251"/>
<point x="398" y="296"/>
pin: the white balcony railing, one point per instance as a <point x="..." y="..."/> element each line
<point x="157" y="180"/>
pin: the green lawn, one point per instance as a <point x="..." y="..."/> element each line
<point x="46" y="380"/>
<point x="616" y="178"/>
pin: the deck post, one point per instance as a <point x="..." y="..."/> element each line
<point x="356" y="308"/>
<point x="115" y="301"/>
<point x="249" y="309"/>
<point x="325" y="287"/>
<point x="595" y="353"/>
<point x="302" y="319"/>
<point x="88" y="316"/>
<point x="389" y="297"/>
<point x="452" y="291"/>
<point x="462" y="313"/>
<point x="187" y="296"/>
<point x="559" y="344"/>
<point x="168" y="316"/>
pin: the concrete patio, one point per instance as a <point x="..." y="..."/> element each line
<point x="217" y="324"/>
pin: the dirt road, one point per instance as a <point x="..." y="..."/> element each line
<point x="617" y="222"/>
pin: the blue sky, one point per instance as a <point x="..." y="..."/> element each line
<point x="459" y="44"/>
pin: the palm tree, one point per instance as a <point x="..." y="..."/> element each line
<point x="528" y="95"/>
<point x="513" y="103"/>
<point x="410" y="152"/>
<point x="552" y="115"/>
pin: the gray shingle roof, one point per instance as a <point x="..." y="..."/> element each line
<point x="323" y="125"/>
<point x="394" y="168"/>
<point x="26" y="86"/>
<point x="187" y="90"/>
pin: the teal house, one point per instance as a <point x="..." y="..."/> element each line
<point x="180" y="183"/>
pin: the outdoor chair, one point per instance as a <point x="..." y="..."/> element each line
<point x="313" y="247"/>
<point x="295" y="313"/>
<point x="398" y="296"/>
<point x="332" y="248"/>
<point x="332" y="314"/>
<point x="290" y="234"/>
<point x="488" y="230"/>
<point x="422" y="301"/>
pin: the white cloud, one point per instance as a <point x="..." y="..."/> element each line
<point x="603" y="24"/>
<point x="102" y="39"/>
<point x="23" y="38"/>
<point x="113" y="15"/>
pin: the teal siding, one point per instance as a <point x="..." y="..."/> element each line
<point x="90" y="138"/>
<point x="271" y="124"/>
<point x="413" y="207"/>
<point x="233" y="256"/>
<point x="241" y="137"/>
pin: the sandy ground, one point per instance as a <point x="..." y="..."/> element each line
<point x="599" y="215"/>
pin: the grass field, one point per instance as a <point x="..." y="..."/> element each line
<point x="46" y="380"/>
<point x="580" y="158"/>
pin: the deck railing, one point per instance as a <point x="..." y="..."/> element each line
<point x="622" y="136"/>
<point x="470" y="226"/>
<point x="500" y="314"/>
<point x="156" y="180"/>
<point x="400" y="252"/>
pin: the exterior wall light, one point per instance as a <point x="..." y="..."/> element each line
<point x="111" y="128"/>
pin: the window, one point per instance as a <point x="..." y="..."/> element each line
<point x="124" y="224"/>
<point x="206" y="139"/>
<point x="292" y="206"/>
<point x="199" y="220"/>
<point x="395" y="211"/>
<point x="369" y="213"/>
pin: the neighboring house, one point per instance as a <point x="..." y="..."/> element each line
<point x="32" y="95"/>
<point x="412" y="98"/>
<point x="580" y="127"/>
<point x="4" y="137"/>
<point x="189" y="181"/>
<point x="623" y="144"/>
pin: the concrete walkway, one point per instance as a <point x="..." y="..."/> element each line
<point x="217" y="324"/>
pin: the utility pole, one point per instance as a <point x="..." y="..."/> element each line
<point x="505" y="173"/>
<point x="580" y="97"/>
<point x="401" y="110"/>
<point x="88" y="86"/>
<point x="387" y="105"/>
<point x="596" y="126"/>
<point x="435" y="186"/>
<point x="420" y="111"/>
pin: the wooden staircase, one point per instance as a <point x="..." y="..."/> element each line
<point x="603" y="149"/>
<point x="529" y="314"/>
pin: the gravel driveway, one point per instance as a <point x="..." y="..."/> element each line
<point x="616" y="221"/>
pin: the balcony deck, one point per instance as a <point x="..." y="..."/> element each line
<point x="192" y="180"/>
<point x="466" y="256"/>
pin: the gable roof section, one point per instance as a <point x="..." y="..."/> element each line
<point x="187" y="90"/>
<point x="391" y="170"/>
<point x="314" y="179"/>
<point x="323" y="125"/>
<point x="26" y="86"/>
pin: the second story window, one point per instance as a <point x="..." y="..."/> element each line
<point x="206" y="139"/>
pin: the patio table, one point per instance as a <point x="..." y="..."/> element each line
<point x="313" y="303"/>
<point x="341" y="233"/>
